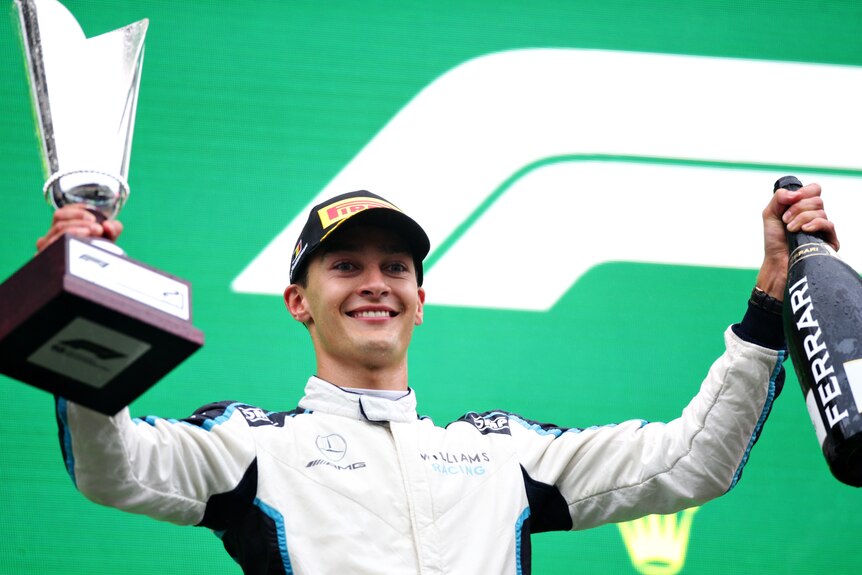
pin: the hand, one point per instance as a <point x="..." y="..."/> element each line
<point x="78" y="221"/>
<point x="801" y="210"/>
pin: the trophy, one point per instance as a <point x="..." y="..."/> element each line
<point x="81" y="320"/>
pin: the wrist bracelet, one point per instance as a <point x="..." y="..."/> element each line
<point x="761" y="299"/>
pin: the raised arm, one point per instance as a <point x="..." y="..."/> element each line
<point x="636" y="468"/>
<point x="167" y="469"/>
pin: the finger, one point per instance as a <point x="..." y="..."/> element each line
<point x="815" y="221"/>
<point x="52" y="236"/>
<point x="74" y="212"/>
<point x="824" y="228"/>
<point x="795" y="224"/>
<point x="808" y="191"/>
<point x="811" y="190"/>
<point x="112" y="229"/>
<point x="81" y="227"/>
<point x="803" y="206"/>
<point x="786" y="197"/>
<point x="780" y="202"/>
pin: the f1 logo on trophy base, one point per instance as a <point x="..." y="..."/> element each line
<point x="81" y="320"/>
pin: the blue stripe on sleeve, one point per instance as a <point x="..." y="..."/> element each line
<point x="152" y="419"/>
<point x="278" y="519"/>
<point x="206" y="425"/>
<point x="63" y="416"/>
<point x="546" y="429"/>
<point x="555" y="431"/>
<point x="210" y="423"/>
<point x="519" y="527"/>
<point x="767" y="406"/>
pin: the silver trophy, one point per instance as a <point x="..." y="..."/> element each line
<point x="85" y="92"/>
<point x="81" y="320"/>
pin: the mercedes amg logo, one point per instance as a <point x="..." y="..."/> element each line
<point x="333" y="447"/>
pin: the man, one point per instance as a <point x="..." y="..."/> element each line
<point x="353" y="481"/>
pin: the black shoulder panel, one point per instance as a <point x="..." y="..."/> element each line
<point x="254" y="416"/>
<point x="209" y="412"/>
<point x="225" y="509"/>
<point x="253" y="541"/>
<point x="488" y="422"/>
<point x="548" y="508"/>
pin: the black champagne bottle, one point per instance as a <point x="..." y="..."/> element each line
<point x="822" y="317"/>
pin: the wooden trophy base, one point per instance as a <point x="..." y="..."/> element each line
<point x="92" y="326"/>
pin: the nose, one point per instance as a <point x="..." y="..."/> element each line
<point x="374" y="283"/>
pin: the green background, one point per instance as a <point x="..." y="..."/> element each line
<point x="247" y="110"/>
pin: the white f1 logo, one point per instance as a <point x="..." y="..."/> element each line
<point x="547" y="162"/>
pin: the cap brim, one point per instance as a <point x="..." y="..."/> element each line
<point x="402" y="224"/>
<point x="399" y="222"/>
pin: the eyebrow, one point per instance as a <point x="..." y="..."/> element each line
<point x="389" y="249"/>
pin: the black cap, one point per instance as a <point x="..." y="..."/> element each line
<point x="363" y="208"/>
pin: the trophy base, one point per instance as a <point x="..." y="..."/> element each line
<point x="93" y="327"/>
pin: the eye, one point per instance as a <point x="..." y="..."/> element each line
<point x="397" y="268"/>
<point x="343" y="266"/>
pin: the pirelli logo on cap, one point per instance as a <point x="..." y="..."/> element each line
<point x="334" y="213"/>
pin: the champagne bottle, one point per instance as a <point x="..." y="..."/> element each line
<point x="822" y="315"/>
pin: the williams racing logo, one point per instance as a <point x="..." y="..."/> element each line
<point x="457" y="463"/>
<point x="334" y="448"/>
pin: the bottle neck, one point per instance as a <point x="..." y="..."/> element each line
<point x="796" y="239"/>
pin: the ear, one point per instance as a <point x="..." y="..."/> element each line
<point x="420" y="309"/>
<point x="297" y="305"/>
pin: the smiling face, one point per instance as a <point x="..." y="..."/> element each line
<point x="360" y="304"/>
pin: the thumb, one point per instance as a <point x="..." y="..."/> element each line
<point x="781" y="200"/>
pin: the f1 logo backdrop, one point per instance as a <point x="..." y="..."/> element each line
<point x="506" y="155"/>
<point x="591" y="174"/>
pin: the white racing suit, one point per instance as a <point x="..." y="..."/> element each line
<point x="352" y="483"/>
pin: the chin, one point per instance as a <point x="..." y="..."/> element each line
<point x="378" y="353"/>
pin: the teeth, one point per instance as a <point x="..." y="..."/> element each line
<point x="372" y="314"/>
